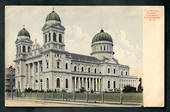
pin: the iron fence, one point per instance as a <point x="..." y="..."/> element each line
<point x="135" y="98"/>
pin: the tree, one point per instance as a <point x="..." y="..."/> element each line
<point x="82" y="90"/>
<point x="140" y="88"/>
<point x="129" y="88"/>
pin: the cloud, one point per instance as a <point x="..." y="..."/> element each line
<point x="77" y="41"/>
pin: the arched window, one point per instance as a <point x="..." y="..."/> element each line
<point x="66" y="66"/>
<point x="47" y="63"/>
<point x="108" y="84"/>
<point x="108" y="70"/>
<point x="19" y="48"/>
<point x="89" y="70"/>
<point x="23" y="48"/>
<point x="114" y="84"/>
<point x="114" y="71"/>
<point x="58" y="83"/>
<point x="74" y="68"/>
<point x="54" y="37"/>
<point x="36" y="67"/>
<point x="95" y="70"/>
<point x="66" y="83"/>
<point x="36" y="81"/>
<point x="47" y="83"/>
<point x="82" y="69"/>
<point x="41" y="67"/>
<point x="60" y="38"/>
<point x="49" y="37"/>
<point x="58" y="64"/>
<point x="121" y="72"/>
<point x="45" y="38"/>
<point x="29" y="49"/>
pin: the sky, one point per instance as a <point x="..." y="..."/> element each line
<point x="124" y="24"/>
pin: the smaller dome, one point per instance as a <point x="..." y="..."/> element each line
<point x="53" y="16"/>
<point x="23" y="32"/>
<point x="102" y="36"/>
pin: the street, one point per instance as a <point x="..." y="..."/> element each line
<point x="48" y="103"/>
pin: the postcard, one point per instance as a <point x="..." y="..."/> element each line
<point x="84" y="56"/>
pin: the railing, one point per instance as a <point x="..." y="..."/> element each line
<point x="126" y="98"/>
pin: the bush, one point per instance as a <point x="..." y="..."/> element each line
<point x="110" y="90"/>
<point x="49" y="91"/>
<point x="129" y="88"/>
<point x="92" y="91"/>
<point x="82" y="90"/>
<point x="28" y="90"/>
<point x="117" y="90"/>
<point x="63" y="91"/>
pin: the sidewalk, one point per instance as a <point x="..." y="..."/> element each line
<point x="20" y="102"/>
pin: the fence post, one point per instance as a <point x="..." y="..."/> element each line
<point x="63" y="96"/>
<point x="53" y="94"/>
<point x="87" y="96"/>
<point x="121" y="97"/>
<point x="102" y="97"/>
<point x="31" y="94"/>
<point x="44" y="94"/>
<point x="74" y="95"/>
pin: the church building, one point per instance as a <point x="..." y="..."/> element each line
<point x="51" y="67"/>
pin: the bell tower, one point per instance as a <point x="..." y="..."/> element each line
<point x="23" y="43"/>
<point x="53" y="32"/>
<point x="23" y="48"/>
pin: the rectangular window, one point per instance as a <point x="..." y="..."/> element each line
<point x="114" y="71"/>
<point x="121" y="72"/>
<point x="49" y="37"/>
<point x="47" y="83"/>
<point x="108" y="70"/>
<point x="58" y="64"/>
<point x="47" y="63"/>
<point x="41" y="68"/>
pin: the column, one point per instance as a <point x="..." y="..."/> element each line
<point x="79" y="82"/>
<point x="93" y="84"/>
<point x="86" y="84"/>
<point x="33" y="75"/>
<point x="39" y="85"/>
<point x="82" y="81"/>
<point x="75" y="83"/>
<point x="28" y="75"/>
<point x="99" y="85"/>
<point x="96" y="83"/>
<point x="90" y="84"/>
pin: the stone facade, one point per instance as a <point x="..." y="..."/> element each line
<point x="50" y="67"/>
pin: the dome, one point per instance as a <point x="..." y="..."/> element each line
<point x="23" y="32"/>
<point x="102" y="36"/>
<point x="53" y="16"/>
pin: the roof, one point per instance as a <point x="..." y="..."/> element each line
<point x="53" y="16"/>
<point x="23" y="32"/>
<point x="86" y="58"/>
<point x="102" y="36"/>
